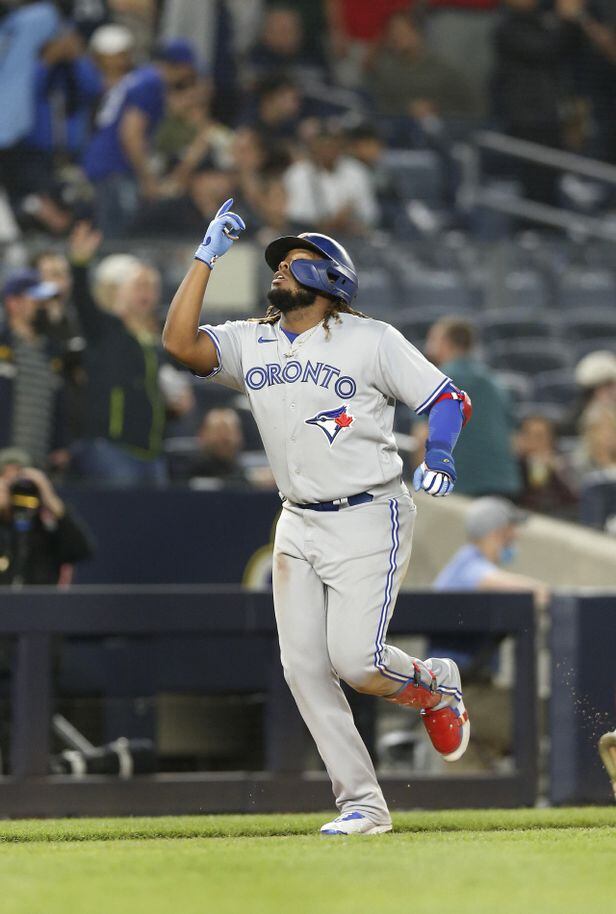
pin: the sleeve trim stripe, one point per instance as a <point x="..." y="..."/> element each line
<point x="216" y="342"/>
<point x="429" y="400"/>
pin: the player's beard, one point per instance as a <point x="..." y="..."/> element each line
<point x="286" y="300"/>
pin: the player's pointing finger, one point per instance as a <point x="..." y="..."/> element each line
<point x="225" y="207"/>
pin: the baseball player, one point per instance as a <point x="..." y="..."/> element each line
<point x="322" y="381"/>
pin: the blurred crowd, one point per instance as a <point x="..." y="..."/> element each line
<point x="135" y="119"/>
<point x="141" y="114"/>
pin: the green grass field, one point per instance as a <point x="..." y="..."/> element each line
<point x="555" y="861"/>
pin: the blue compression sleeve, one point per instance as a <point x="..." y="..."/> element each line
<point x="445" y="422"/>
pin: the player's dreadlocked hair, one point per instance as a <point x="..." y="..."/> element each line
<point x="336" y="307"/>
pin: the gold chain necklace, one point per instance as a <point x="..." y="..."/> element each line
<point x="297" y="343"/>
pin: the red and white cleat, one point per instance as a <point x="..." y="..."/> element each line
<point x="448" y="725"/>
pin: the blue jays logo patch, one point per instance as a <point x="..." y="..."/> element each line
<point x="332" y="422"/>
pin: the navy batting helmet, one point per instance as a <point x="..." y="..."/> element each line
<point x="335" y="275"/>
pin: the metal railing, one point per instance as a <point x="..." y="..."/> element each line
<point x="37" y="616"/>
<point x="472" y="194"/>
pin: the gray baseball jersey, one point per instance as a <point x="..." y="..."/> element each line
<point x="324" y="403"/>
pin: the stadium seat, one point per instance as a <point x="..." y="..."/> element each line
<point x="444" y="289"/>
<point x="587" y="324"/>
<point x="518" y="386"/>
<point x="415" y="173"/>
<point x="525" y="289"/>
<point x="377" y="293"/>
<point x="555" y="412"/>
<point x="584" y="347"/>
<point x="529" y="357"/>
<point x="497" y="325"/>
<point x="414" y="323"/>
<point x="587" y="288"/>
<point x="555" y="387"/>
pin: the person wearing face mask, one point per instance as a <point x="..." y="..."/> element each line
<point x="492" y="527"/>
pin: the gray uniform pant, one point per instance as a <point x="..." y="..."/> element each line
<point x="336" y="576"/>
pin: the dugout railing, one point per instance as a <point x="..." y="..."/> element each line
<point x="36" y="617"/>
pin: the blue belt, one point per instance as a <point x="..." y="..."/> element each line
<point x="361" y="499"/>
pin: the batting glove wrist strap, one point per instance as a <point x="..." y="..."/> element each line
<point x="440" y="459"/>
<point x="222" y="231"/>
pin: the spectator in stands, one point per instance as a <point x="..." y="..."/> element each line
<point x="117" y="160"/>
<point x="407" y="79"/>
<point x="546" y="486"/>
<point x="595" y="74"/>
<point x="183" y="216"/>
<point x="109" y="275"/>
<point x="24" y="33"/>
<point x="112" y="49"/>
<point x="220" y="442"/>
<point x="67" y="87"/>
<point x="271" y="208"/>
<point x="58" y="321"/>
<point x="492" y="528"/>
<point x="532" y="51"/>
<point x="366" y="144"/>
<point x="275" y="107"/>
<point x="355" y="26"/>
<point x="280" y="48"/>
<point x="598" y="437"/>
<point x="125" y="406"/>
<point x="31" y="389"/>
<point x="596" y="376"/>
<point x="138" y="17"/>
<point x="39" y="538"/>
<point x="189" y="137"/>
<point x="460" y="31"/>
<point x="598" y="495"/>
<point x="330" y="191"/>
<point x="485" y="460"/>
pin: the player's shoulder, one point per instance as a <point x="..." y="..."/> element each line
<point x="367" y="326"/>
<point x="241" y="329"/>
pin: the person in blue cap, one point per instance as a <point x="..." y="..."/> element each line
<point x="117" y="159"/>
<point x="31" y="389"/>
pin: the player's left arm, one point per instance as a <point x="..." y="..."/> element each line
<point x="401" y="371"/>
<point x="447" y="416"/>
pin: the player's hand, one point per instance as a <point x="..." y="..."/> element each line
<point x="436" y="475"/>
<point x="222" y="231"/>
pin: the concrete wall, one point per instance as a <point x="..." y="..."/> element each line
<point x="562" y="554"/>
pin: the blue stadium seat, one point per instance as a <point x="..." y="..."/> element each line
<point x="377" y="294"/>
<point x="499" y="325"/>
<point x="587" y="288"/>
<point x="518" y="386"/>
<point x="555" y="412"/>
<point x="589" y="323"/>
<point x="529" y="357"/>
<point x="584" y="347"/>
<point x="444" y="289"/>
<point x="525" y="289"/>
<point x="415" y="173"/>
<point x="414" y="323"/>
<point x="555" y="387"/>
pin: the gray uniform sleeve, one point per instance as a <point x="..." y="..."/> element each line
<point x="227" y="339"/>
<point x="404" y="373"/>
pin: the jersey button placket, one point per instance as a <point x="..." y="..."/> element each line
<point x="293" y="457"/>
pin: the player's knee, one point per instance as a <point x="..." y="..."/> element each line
<point x="356" y="669"/>
<point x="301" y="675"/>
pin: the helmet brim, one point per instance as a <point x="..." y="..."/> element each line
<point x="278" y="249"/>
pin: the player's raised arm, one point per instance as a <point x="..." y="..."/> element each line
<point x="181" y="336"/>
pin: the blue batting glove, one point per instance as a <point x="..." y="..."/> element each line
<point x="437" y="474"/>
<point x="222" y="231"/>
